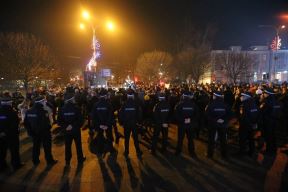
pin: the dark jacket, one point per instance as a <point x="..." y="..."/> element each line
<point x="216" y="110"/>
<point x="9" y="121"/>
<point x="102" y="114"/>
<point x="186" y="113"/>
<point x="161" y="112"/>
<point x="271" y="111"/>
<point x="70" y="114"/>
<point x="37" y="121"/>
<point x="250" y="113"/>
<point x="130" y="113"/>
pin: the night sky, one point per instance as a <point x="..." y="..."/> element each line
<point x="142" y="25"/>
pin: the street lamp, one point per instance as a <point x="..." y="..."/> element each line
<point x="86" y="15"/>
<point x="277" y="46"/>
<point x="277" y="30"/>
<point x="90" y="71"/>
<point x="110" y="25"/>
<point x="82" y="26"/>
<point x="95" y="43"/>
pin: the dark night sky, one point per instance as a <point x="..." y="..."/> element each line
<point x="143" y="25"/>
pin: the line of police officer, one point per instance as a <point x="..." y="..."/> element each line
<point x="186" y="112"/>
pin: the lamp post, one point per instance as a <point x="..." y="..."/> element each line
<point x="277" y="47"/>
<point x="95" y="43"/>
<point x="90" y="71"/>
<point x="278" y="44"/>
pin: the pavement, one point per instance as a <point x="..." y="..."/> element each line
<point x="163" y="172"/>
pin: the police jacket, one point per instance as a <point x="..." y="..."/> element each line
<point x="249" y="114"/>
<point x="284" y="101"/>
<point x="102" y="114"/>
<point x="271" y="111"/>
<point x="186" y="113"/>
<point x="91" y="102"/>
<point x="202" y="100"/>
<point x="37" y="121"/>
<point x="216" y="110"/>
<point x="9" y="121"/>
<point x="130" y="113"/>
<point x="161" y="112"/>
<point x="70" y="114"/>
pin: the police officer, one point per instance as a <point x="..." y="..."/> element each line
<point x="248" y="119"/>
<point x="129" y="115"/>
<point x="217" y="114"/>
<point x="186" y="112"/>
<point x="161" y="117"/>
<point x="71" y="120"/>
<point x="202" y="101"/>
<point x="9" y="134"/>
<point x="39" y="128"/>
<point x="115" y="103"/>
<point x="270" y="113"/>
<point x="102" y="120"/>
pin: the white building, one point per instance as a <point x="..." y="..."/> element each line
<point x="268" y="65"/>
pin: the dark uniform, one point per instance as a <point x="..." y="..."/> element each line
<point x="270" y="114"/>
<point x="202" y="101"/>
<point x="102" y="120"/>
<point x="129" y="116"/>
<point x="186" y="112"/>
<point x="38" y="127"/>
<point x="9" y="134"/>
<point x="116" y="105"/>
<point x="217" y="114"/>
<point x="71" y="120"/>
<point x="91" y="100"/>
<point x="161" y="117"/>
<point x="248" y="120"/>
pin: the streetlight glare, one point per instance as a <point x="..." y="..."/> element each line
<point x="110" y="26"/>
<point x="283" y="27"/>
<point x="86" y="15"/>
<point x="82" y="26"/>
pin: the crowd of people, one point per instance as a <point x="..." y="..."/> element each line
<point x="195" y="109"/>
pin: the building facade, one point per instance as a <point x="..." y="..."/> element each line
<point x="266" y="65"/>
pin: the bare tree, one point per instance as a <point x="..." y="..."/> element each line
<point x="194" y="62"/>
<point x="25" y="57"/>
<point x="235" y="64"/>
<point x="152" y="64"/>
<point x="193" y="51"/>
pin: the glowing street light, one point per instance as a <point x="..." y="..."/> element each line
<point x="276" y="44"/>
<point x="82" y="26"/>
<point x="86" y="15"/>
<point x="277" y="41"/>
<point x="110" y="25"/>
<point x="95" y="43"/>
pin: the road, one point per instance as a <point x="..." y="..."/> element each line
<point x="164" y="172"/>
